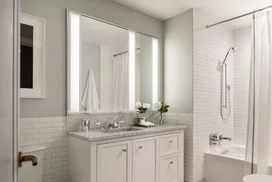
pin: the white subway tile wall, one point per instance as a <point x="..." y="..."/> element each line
<point x="105" y="78"/>
<point x="210" y="48"/>
<point x="187" y="120"/>
<point x="50" y="132"/>
<point x="242" y="41"/>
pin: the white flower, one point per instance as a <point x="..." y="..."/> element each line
<point x="138" y="105"/>
<point x="157" y="106"/>
<point x="146" y="105"/>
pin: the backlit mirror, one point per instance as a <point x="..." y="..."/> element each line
<point x="109" y="68"/>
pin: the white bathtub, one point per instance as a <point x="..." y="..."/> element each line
<point x="225" y="165"/>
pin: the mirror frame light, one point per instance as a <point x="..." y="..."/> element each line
<point x="73" y="61"/>
<point x="132" y="65"/>
<point x="155" y="70"/>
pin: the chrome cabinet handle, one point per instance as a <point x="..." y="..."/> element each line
<point x="171" y="162"/>
<point x="140" y="147"/>
<point x="124" y="150"/>
<point x="171" y="141"/>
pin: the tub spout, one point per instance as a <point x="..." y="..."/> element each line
<point x="221" y="138"/>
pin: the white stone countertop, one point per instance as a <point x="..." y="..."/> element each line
<point x="96" y="135"/>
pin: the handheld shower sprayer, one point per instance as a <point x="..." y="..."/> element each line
<point x="225" y="87"/>
<point x="232" y="49"/>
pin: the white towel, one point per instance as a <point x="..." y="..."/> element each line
<point x="90" y="100"/>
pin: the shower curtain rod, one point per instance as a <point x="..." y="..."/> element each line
<point x="124" y="52"/>
<point x="209" y="26"/>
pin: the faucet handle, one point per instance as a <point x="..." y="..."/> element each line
<point x="85" y="124"/>
<point x="213" y="139"/>
<point x="85" y="121"/>
<point x="113" y="125"/>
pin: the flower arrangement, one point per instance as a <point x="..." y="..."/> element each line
<point x="142" y="107"/>
<point x="161" y="107"/>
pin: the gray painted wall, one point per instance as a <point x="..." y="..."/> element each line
<point x="54" y="12"/>
<point x="178" y="62"/>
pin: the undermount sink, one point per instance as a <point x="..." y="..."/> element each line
<point x="120" y="129"/>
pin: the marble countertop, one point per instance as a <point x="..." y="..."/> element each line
<point x="96" y="135"/>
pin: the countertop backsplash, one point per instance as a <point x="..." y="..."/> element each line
<point x="74" y="121"/>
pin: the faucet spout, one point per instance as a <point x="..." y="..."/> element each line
<point x="221" y="137"/>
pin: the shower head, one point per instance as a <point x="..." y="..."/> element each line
<point x="232" y="49"/>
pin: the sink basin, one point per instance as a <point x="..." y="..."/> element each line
<point x="120" y="129"/>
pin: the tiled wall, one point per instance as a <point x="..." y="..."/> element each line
<point x="242" y="41"/>
<point x="50" y="132"/>
<point x="210" y="48"/>
<point x="105" y="78"/>
<point x="187" y="120"/>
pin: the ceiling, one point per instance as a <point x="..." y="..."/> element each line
<point x="221" y="9"/>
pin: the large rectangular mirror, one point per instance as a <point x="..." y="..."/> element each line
<point x="109" y="67"/>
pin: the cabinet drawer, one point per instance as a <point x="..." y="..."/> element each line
<point x="170" y="169"/>
<point x="169" y="144"/>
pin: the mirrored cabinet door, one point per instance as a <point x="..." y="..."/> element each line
<point x="109" y="68"/>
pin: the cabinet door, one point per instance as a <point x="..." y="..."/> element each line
<point x="170" y="169"/>
<point x="145" y="160"/>
<point x="114" y="162"/>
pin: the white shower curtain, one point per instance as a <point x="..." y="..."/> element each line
<point x="120" y="86"/>
<point x="259" y="140"/>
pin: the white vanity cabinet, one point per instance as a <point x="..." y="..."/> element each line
<point x="145" y="161"/>
<point x="114" y="162"/>
<point x="143" y="158"/>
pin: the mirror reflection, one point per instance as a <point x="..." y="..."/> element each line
<point x="109" y="68"/>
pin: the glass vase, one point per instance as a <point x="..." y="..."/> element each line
<point x="161" y="120"/>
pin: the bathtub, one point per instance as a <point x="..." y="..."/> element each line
<point x="225" y="165"/>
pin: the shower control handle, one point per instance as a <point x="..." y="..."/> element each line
<point x="214" y="139"/>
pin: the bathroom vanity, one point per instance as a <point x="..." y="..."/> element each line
<point x="110" y="68"/>
<point x="135" y="155"/>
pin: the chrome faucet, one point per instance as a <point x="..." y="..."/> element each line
<point x="222" y="138"/>
<point x="216" y="139"/>
<point x="111" y="125"/>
